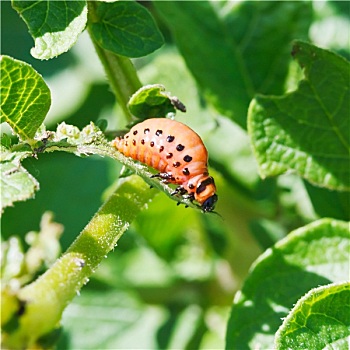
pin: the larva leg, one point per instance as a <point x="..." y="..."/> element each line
<point x="178" y="203"/>
<point x="190" y="196"/>
<point x="179" y="190"/>
<point x="166" y="177"/>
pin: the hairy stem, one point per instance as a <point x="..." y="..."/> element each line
<point x="45" y="299"/>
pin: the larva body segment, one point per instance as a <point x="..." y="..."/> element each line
<point x="177" y="152"/>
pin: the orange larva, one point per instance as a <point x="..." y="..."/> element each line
<point x="177" y="152"/>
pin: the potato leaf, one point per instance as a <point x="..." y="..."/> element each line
<point x="307" y="130"/>
<point x="319" y="320"/>
<point x="25" y="97"/>
<point x="153" y="101"/>
<point x="313" y="255"/>
<point x="225" y="45"/>
<point x="125" y="28"/>
<point x="54" y="25"/>
<point x="16" y="184"/>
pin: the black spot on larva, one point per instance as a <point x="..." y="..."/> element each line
<point x="142" y="141"/>
<point x="176" y="164"/>
<point x="127" y="136"/>
<point x="126" y="143"/>
<point x="180" y="147"/>
<point x="170" y="138"/>
<point x="191" y="186"/>
<point x="161" y="149"/>
<point x="169" y="155"/>
<point x="151" y="144"/>
<point x="187" y="158"/>
<point x="146" y="131"/>
<point x="134" y="142"/>
<point x="135" y="132"/>
<point x="186" y="171"/>
<point x="159" y="132"/>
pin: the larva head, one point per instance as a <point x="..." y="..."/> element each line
<point x="205" y="193"/>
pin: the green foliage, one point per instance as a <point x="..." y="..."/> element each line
<point x="322" y="246"/>
<point x="19" y="267"/>
<point x="25" y="97"/>
<point x="246" y="33"/>
<point x="152" y="101"/>
<point x="16" y="183"/>
<point x="305" y="324"/>
<point x="125" y="28"/>
<point x="267" y="67"/>
<point x="307" y="130"/>
<point x="72" y="270"/>
<point x="54" y="26"/>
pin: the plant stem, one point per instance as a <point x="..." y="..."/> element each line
<point x="120" y="71"/>
<point x="45" y="299"/>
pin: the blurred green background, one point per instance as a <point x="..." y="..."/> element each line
<point x="171" y="280"/>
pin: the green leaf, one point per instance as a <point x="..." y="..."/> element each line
<point x="307" y="130"/>
<point x="152" y="101"/>
<point x="25" y="98"/>
<point x="319" y="320"/>
<point x="152" y="231"/>
<point x="313" y="255"/>
<point x="122" y="320"/>
<point x="16" y="184"/>
<point x="54" y="25"/>
<point x="328" y="203"/>
<point x="125" y="28"/>
<point x="230" y="73"/>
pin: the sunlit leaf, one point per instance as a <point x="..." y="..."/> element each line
<point x="54" y="25"/>
<point x="307" y="130"/>
<point x="25" y="97"/>
<point x="152" y="101"/>
<point x="16" y="184"/>
<point x="319" y="320"/>
<point x="313" y="255"/>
